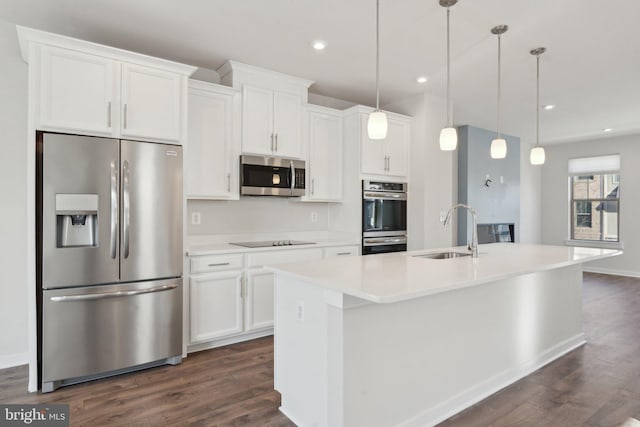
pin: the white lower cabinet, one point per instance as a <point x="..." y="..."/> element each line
<point x="232" y="295"/>
<point x="215" y="305"/>
<point x="258" y="304"/>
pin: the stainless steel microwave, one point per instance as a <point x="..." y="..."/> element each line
<point x="272" y="176"/>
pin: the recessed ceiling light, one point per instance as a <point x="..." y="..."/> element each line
<point x="607" y="130"/>
<point x="422" y="79"/>
<point x="319" y="44"/>
<point x="549" y="107"/>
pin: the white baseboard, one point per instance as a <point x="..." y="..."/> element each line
<point x="11" y="360"/>
<point x="480" y="391"/>
<point x="227" y="341"/>
<point x="610" y="271"/>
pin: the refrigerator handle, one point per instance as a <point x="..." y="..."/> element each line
<point x="114" y="209"/>
<point x="70" y="298"/>
<point x="126" y="207"/>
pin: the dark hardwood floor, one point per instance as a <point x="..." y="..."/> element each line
<point x="595" y="385"/>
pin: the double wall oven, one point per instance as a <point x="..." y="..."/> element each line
<point x="384" y="217"/>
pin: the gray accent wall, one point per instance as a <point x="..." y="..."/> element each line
<point x="498" y="203"/>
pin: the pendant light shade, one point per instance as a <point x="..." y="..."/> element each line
<point x="537" y="156"/>
<point x="448" y="135"/>
<point x="448" y="139"/>
<point x="499" y="145"/>
<point x="377" y="124"/>
<point x="498" y="148"/>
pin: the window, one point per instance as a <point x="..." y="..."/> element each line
<point x="595" y="198"/>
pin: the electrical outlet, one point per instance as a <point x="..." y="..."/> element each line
<point x="300" y="311"/>
<point x="314" y="216"/>
<point x="195" y="218"/>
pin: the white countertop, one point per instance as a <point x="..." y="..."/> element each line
<point x="227" y="248"/>
<point x="393" y="277"/>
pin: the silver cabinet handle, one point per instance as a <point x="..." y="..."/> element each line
<point x="293" y="175"/>
<point x="114" y="210"/>
<point x="126" y="206"/>
<point x="272" y="143"/>
<point x="218" y="264"/>
<point x="313" y="187"/>
<point x="70" y="298"/>
<point x="228" y="183"/>
<point x="276" y="142"/>
<point x="343" y="253"/>
<point x="388" y="163"/>
<point x="109" y="114"/>
<point x="124" y="116"/>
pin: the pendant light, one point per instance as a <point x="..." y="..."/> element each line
<point x="499" y="145"/>
<point x="377" y="124"/>
<point x="448" y="135"/>
<point x="537" y="156"/>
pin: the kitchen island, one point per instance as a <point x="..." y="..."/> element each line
<point x="397" y="339"/>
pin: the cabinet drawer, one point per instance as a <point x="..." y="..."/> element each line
<point x="341" y="251"/>
<point x="210" y="263"/>
<point x="278" y="257"/>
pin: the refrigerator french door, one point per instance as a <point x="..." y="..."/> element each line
<point x="109" y="256"/>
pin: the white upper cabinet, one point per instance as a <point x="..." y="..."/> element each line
<point x="91" y="89"/>
<point x="383" y="158"/>
<point x="151" y="103"/>
<point x="76" y="92"/>
<point x="271" y="122"/>
<point x="211" y="152"/>
<point x="272" y="109"/>
<point x="325" y="162"/>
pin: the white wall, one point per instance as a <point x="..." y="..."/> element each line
<point x="530" y="198"/>
<point x="555" y="197"/>
<point x="431" y="181"/>
<point x="13" y="122"/>
<point x="256" y="215"/>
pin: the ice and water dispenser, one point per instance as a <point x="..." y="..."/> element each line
<point x="76" y="220"/>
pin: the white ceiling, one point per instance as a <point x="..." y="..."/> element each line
<point x="591" y="70"/>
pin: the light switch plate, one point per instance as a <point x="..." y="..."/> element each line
<point x="195" y="218"/>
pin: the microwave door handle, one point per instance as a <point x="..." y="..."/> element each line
<point x="293" y="176"/>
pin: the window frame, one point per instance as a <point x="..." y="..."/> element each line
<point x="581" y="177"/>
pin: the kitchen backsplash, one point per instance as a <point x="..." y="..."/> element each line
<point x="256" y="215"/>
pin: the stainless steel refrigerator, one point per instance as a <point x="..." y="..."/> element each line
<point x="109" y="245"/>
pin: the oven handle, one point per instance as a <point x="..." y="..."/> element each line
<point x="381" y="241"/>
<point x="374" y="195"/>
<point x="293" y="176"/>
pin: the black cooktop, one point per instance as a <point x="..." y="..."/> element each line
<point x="268" y="243"/>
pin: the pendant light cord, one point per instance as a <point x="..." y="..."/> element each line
<point x="499" y="74"/>
<point x="449" y="122"/>
<point x="537" y="100"/>
<point x="377" y="55"/>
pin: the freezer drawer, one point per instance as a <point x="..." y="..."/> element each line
<point x="97" y="329"/>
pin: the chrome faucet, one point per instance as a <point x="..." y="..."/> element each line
<point x="473" y="246"/>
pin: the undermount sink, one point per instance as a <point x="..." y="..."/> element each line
<point x="443" y="255"/>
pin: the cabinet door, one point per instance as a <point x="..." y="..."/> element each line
<point x="208" y="153"/>
<point x="259" y="301"/>
<point x="372" y="151"/>
<point x="325" y="157"/>
<point x="215" y="305"/>
<point x="287" y="124"/>
<point x="150" y="103"/>
<point x="397" y="146"/>
<point x="257" y="120"/>
<point x="76" y="92"/>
